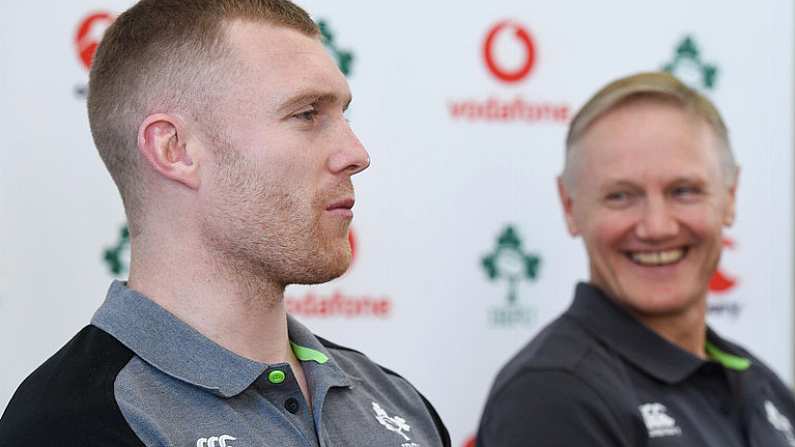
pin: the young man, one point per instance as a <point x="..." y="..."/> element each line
<point x="221" y="122"/>
<point x="649" y="184"/>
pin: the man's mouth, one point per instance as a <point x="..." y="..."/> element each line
<point x="343" y="204"/>
<point x="657" y="258"/>
<point x="342" y="208"/>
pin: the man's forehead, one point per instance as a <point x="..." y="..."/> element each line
<point x="651" y="126"/>
<point x="624" y="158"/>
<point x="630" y="143"/>
<point x="261" y="38"/>
<point x="266" y="49"/>
<point x="293" y="65"/>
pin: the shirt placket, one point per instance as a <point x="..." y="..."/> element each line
<point x="280" y="388"/>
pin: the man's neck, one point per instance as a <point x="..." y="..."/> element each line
<point x="243" y="314"/>
<point x="688" y="330"/>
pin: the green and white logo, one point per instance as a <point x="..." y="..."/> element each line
<point x="688" y="66"/>
<point x="117" y="256"/>
<point x="508" y="263"/>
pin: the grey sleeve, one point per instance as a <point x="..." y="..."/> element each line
<point x="552" y="409"/>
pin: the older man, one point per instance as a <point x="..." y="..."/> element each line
<point x="649" y="184"/>
<point x="221" y="122"/>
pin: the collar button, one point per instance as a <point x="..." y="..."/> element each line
<point x="276" y="376"/>
<point x="291" y="405"/>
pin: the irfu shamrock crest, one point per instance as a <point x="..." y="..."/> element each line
<point x="508" y="261"/>
<point x="688" y="65"/>
<point x="392" y="423"/>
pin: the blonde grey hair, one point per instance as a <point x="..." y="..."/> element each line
<point x="658" y="86"/>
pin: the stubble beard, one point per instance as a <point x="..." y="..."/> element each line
<point x="264" y="237"/>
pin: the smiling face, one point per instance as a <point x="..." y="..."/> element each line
<point x="277" y="199"/>
<point x="650" y="201"/>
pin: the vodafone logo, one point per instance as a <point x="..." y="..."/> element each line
<point x="89" y="34"/>
<point x="510" y="54"/>
<point x="722" y="282"/>
<point x="521" y="37"/>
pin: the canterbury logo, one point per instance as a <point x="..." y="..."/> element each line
<point x="215" y="441"/>
<point x="657" y="420"/>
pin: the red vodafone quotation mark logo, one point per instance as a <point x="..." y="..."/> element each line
<point x="352" y="242"/>
<point x="523" y="37"/>
<point x="720" y="281"/>
<point x="88" y="35"/>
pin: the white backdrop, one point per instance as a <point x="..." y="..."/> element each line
<point x="458" y="157"/>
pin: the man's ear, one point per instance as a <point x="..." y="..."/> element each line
<point x="567" y="202"/>
<point x="163" y="141"/>
<point x="730" y="211"/>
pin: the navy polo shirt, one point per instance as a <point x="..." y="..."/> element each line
<point x="138" y="376"/>
<point x="598" y="377"/>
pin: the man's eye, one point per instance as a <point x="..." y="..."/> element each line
<point x="685" y="191"/>
<point x="619" y="199"/>
<point x="307" y="115"/>
<point x="618" y="196"/>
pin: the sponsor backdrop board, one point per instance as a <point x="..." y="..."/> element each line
<point x="460" y="249"/>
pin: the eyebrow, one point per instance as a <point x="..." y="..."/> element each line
<point x="622" y="183"/>
<point x="312" y="98"/>
<point x="689" y="179"/>
<point x="617" y="183"/>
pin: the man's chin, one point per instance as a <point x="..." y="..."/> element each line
<point x="320" y="274"/>
<point x="661" y="303"/>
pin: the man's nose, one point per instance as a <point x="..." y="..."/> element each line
<point x="350" y="157"/>
<point x="658" y="221"/>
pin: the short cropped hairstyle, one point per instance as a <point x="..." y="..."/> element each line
<point x="658" y="86"/>
<point x="167" y="56"/>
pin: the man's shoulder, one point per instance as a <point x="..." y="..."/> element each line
<point x="371" y="374"/>
<point x="358" y="365"/>
<point x="760" y="372"/>
<point x="564" y="385"/>
<point x="759" y="369"/>
<point x="69" y="399"/>
<point x="563" y="346"/>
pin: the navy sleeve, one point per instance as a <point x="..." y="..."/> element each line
<point x="69" y="401"/>
<point x="551" y="409"/>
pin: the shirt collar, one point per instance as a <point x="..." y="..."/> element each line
<point x="639" y="345"/>
<point x="172" y="346"/>
<point x="320" y="367"/>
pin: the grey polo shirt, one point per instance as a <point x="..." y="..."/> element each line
<point x="139" y="376"/>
